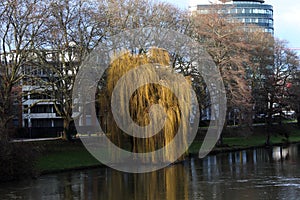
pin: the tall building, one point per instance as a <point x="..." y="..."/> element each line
<point x="39" y="114"/>
<point x="246" y="11"/>
<point x="34" y="98"/>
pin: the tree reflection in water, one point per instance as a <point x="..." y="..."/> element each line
<point x="272" y="173"/>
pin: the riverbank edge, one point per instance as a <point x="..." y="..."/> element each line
<point x="215" y="151"/>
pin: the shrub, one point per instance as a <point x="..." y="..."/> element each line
<point x="17" y="161"/>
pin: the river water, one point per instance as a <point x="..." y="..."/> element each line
<point x="272" y="173"/>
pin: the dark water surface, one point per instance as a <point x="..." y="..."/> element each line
<point x="250" y="174"/>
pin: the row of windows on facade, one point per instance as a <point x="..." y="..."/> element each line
<point x="247" y="2"/>
<point x="39" y="71"/>
<point x="261" y="28"/>
<point x="34" y="70"/>
<point x="254" y="29"/>
<point x="268" y="30"/>
<point x="269" y="22"/>
<point x="42" y="122"/>
<point x="52" y="57"/>
<point x="37" y="96"/>
<point x="39" y="109"/>
<point x="239" y="11"/>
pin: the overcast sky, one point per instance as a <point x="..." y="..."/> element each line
<point x="286" y="17"/>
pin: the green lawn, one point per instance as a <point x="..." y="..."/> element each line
<point x="258" y="140"/>
<point x="63" y="160"/>
<point x="246" y="142"/>
<point x="61" y="155"/>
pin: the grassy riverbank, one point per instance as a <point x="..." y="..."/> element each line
<point x="236" y="143"/>
<point x="61" y="155"/>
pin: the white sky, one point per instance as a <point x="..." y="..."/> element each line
<point x="286" y="17"/>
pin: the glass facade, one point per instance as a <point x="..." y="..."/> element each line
<point x="255" y="12"/>
<point x="248" y="12"/>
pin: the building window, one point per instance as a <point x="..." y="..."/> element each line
<point x="247" y="10"/>
<point x="25" y="123"/>
<point x="41" y="123"/>
<point x="203" y="11"/>
<point x="16" y="122"/>
<point x="270" y="22"/>
<point x="239" y="10"/>
<point x="58" y="123"/>
<point x="38" y="96"/>
<point x="270" y="12"/>
<point x="42" y="109"/>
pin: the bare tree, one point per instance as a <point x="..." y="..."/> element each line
<point x="132" y="14"/>
<point x="21" y="24"/>
<point x="75" y="28"/>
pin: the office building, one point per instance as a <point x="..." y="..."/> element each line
<point x="249" y="12"/>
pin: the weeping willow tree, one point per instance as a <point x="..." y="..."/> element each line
<point x="143" y="98"/>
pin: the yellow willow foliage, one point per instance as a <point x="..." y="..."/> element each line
<point x="143" y="98"/>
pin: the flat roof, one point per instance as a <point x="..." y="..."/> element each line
<point x="261" y="1"/>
